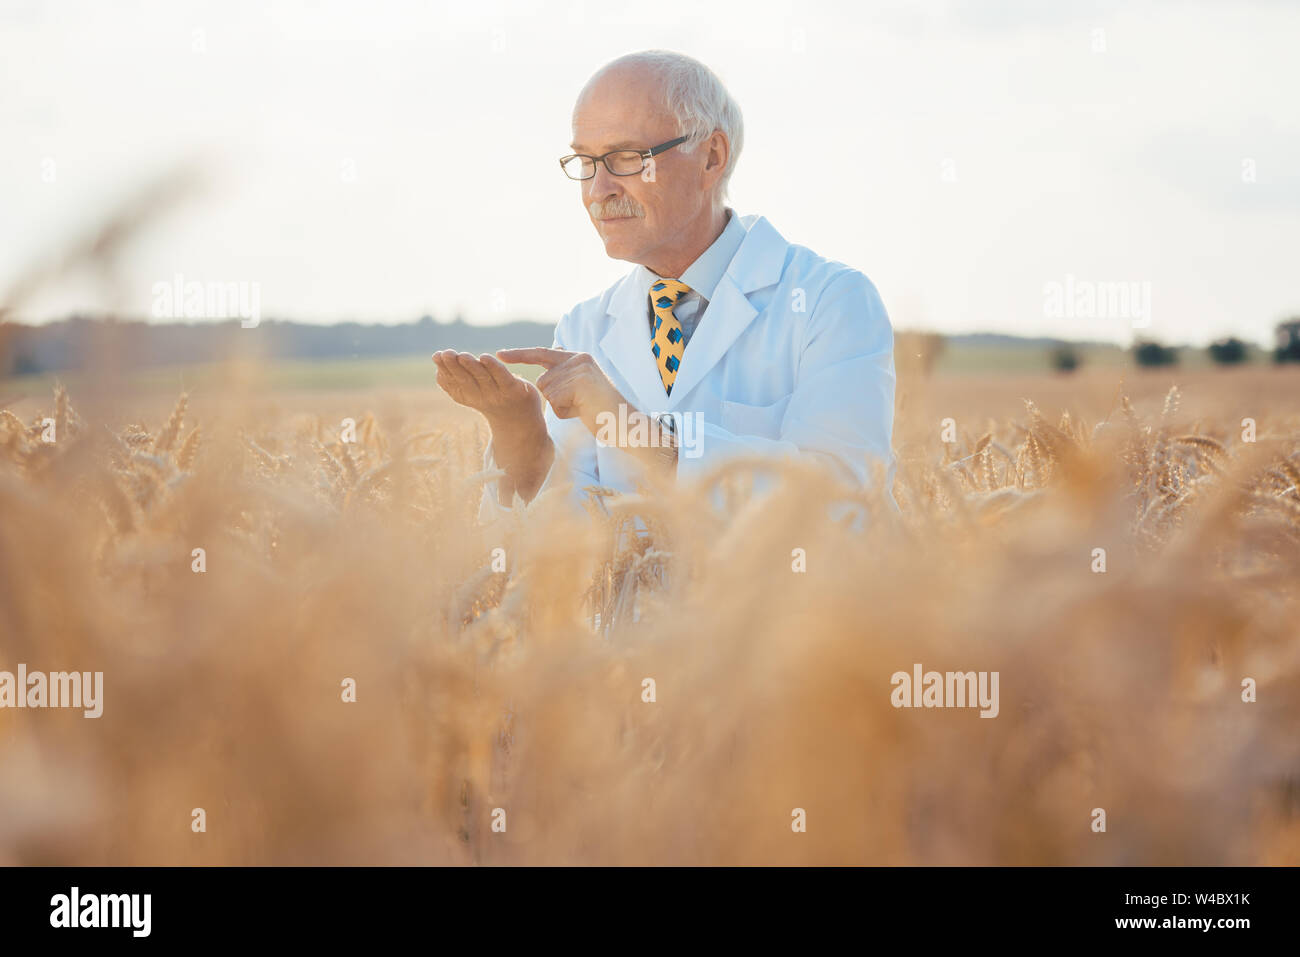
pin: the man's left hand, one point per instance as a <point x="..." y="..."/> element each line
<point x="573" y="384"/>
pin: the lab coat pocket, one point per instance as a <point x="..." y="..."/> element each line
<point x="761" y="420"/>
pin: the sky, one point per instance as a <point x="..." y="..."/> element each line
<point x="379" y="161"/>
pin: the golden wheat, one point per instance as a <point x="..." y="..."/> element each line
<point x="522" y="689"/>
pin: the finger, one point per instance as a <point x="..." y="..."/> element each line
<point x="457" y="382"/>
<point x="562" y="404"/>
<point x="570" y="369"/>
<point x="536" y="356"/>
<point x="559" y="392"/>
<point x="450" y="385"/>
<point x="503" y="377"/>
<point x="475" y="370"/>
<point x="551" y="379"/>
<point x="442" y="359"/>
<point x="447" y="366"/>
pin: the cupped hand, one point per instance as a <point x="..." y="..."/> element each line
<point x="485" y="384"/>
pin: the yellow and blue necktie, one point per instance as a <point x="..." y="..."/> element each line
<point x="666" y="340"/>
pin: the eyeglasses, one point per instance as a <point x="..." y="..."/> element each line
<point x="618" y="162"/>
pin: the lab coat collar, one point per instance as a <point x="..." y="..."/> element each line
<point x="757" y="264"/>
<point x="703" y="275"/>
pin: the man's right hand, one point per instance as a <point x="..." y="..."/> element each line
<point x="513" y="409"/>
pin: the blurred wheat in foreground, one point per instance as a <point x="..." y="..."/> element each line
<point x="522" y="690"/>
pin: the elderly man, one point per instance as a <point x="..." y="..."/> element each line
<point x="724" y="340"/>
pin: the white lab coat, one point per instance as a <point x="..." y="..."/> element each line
<point x="794" y="354"/>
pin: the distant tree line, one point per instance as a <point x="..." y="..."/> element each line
<point x="80" y="341"/>
<point x="1226" y="352"/>
<point x="128" y="345"/>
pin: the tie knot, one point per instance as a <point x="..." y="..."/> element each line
<point x="670" y="289"/>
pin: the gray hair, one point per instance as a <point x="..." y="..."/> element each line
<point x="696" y="97"/>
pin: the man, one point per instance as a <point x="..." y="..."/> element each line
<point x="725" y="340"/>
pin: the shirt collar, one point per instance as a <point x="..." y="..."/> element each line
<point x="707" y="271"/>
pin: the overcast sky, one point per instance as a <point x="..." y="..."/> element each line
<point x="382" y="160"/>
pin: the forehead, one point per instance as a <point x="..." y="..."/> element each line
<point x="621" y="108"/>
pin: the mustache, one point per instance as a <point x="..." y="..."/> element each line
<point x="618" y="206"/>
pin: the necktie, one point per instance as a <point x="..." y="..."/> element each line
<point x="666" y="342"/>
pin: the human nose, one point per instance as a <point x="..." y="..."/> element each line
<point x="603" y="184"/>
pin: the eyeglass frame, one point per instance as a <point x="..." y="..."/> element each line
<point x="645" y="156"/>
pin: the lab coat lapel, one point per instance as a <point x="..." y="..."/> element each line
<point x="756" y="265"/>
<point x="728" y="314"/>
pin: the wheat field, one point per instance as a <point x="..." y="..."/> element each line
<point x="514" y="697"/>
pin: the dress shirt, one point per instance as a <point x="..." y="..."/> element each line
<point x="702" y="276"/>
